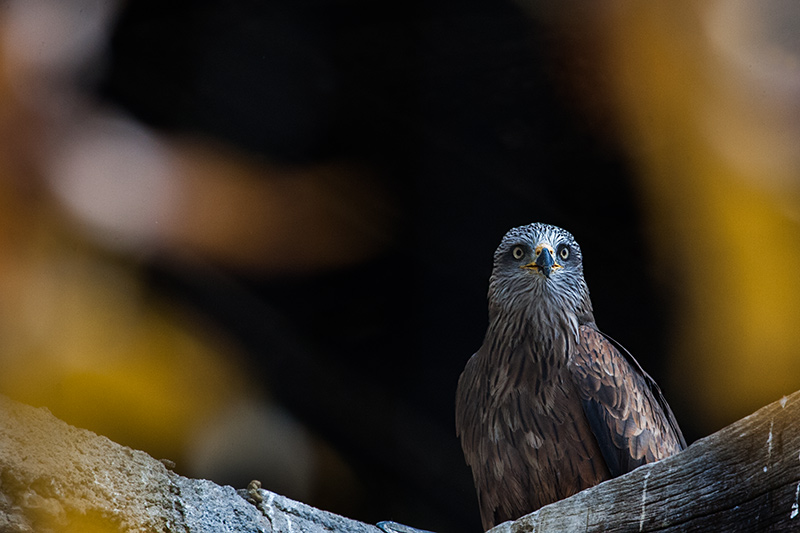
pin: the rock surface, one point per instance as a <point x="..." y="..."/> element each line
<point x="58" y="478"/>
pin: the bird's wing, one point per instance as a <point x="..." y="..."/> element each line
<point x="494" y="445"/>
<point x="470" y="395"/>
<point x="626" y="410"/>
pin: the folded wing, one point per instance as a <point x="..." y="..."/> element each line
<point x="626" y="410"/>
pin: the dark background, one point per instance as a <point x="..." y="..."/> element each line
<point x="460" y="110"/>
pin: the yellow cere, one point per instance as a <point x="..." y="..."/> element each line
<point x="533" y="266"/>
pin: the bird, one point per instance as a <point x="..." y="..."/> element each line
<point x="549" y="405"/>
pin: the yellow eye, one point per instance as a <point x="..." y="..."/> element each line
<point x="518" y="252"/>
<point x="564" y="253"/>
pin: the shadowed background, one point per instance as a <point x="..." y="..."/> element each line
<point x="255" y="237"/>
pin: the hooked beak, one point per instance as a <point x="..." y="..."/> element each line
<point x="544" y="262"/>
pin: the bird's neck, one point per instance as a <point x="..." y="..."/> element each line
<point x="525" y="347"/>
<point x="552" y="331"/>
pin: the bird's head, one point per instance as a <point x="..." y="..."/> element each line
<point x="539" y="268"/>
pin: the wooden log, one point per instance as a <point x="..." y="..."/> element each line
<point x="744" y="478"/>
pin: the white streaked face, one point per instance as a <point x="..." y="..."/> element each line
<point x="539" y="265"/>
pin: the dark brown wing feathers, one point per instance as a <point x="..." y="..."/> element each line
<point x="654" y="389"/>
<point x="624" y="407"/>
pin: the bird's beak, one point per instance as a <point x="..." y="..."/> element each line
<point x="544" y="262"/>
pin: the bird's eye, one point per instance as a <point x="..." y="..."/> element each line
<point x="518" y="252"/>
<point x="564" y="253"/>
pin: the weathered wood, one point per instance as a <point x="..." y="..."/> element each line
<point x="745" y="477"/>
